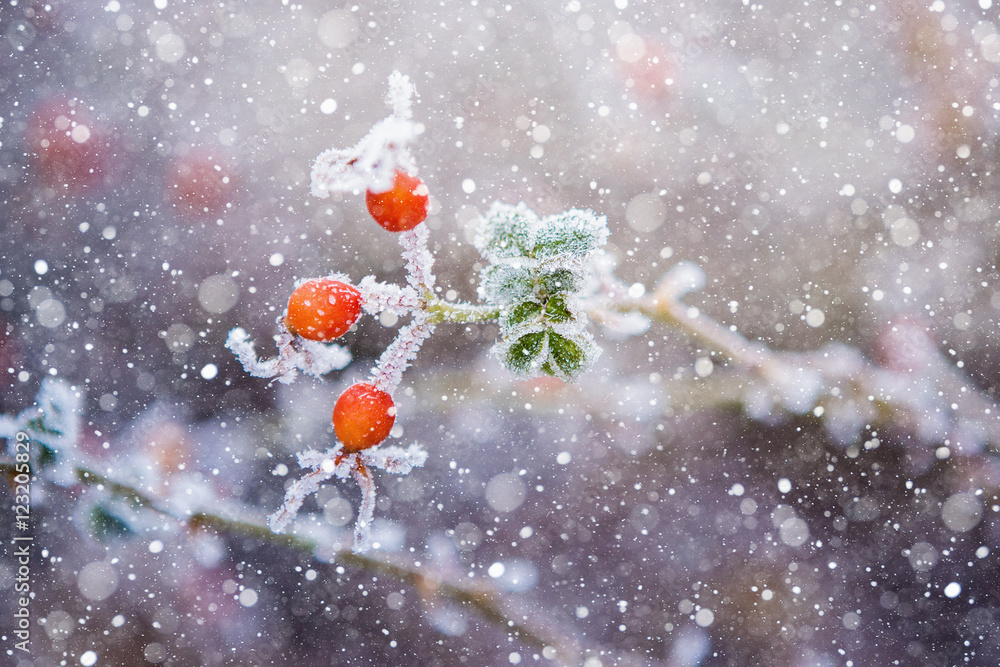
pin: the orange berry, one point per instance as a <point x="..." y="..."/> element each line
<point x="401" y="208"/>
<point x="323" y="309"/>
<point x="363" y="417"/>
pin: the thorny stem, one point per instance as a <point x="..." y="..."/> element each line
<point x="366" y="513"/>
<point x="388" y="372"/>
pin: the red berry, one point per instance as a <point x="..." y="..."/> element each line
<point x="403" y="207"/>
<point x="363" y="417"/>
<point x="323" y="309"/>
<point x="67" y="149"/>
<point x="200" y="184"/>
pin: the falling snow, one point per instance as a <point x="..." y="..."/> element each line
<point x="693" y="361"/>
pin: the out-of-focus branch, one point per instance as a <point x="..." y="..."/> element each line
<point x="484" y="600"/>
<point x="923" y="392"/>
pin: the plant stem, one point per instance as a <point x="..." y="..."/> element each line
<point x="439" y="311"/>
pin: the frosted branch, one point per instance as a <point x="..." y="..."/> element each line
<point x="337" y="463"/>
<point x="388" y="373"/>
<point x="296" y="494"/>
<point x="311" y="357"/>
<point x="237" y="521"/>
<point x="396" y="459"/>
<point x="378" y="297"/>
<point x="372" y="163"/>
<point x="366" y="512"/>
<point x="400" y="95"/>
<point x="926" y="394"/>
<point x="682" y="279"/>
<point x="419" y="261"/>
<point x="601" y="296"/>
<point x="317" y="358"/>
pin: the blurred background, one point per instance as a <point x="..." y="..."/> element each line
<point x="830" y="165"/>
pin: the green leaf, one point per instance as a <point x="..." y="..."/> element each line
<point x="523" y="312"/>
<point x="506" y="283"/>
<point x="524" y="352"/>
<point x="567" y="354"/>
<point x="556" y="310"/>
<point x="507" y="231"/>
<point x="573" y="232"/>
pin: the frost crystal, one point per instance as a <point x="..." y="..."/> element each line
<point x="311" y="357"/>
<point x="372" y="163"/>
<point x="388" y="373"/>
<point x="537" y="270"/>
<point x="337" y="463"/>
<point x="377" y="297"/>
<point x="419" y="261"/>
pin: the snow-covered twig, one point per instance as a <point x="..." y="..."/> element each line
<point x="400" y="95"/>
<point x="295" y="495"/>
<point x="335" y="462"/>
<point x="388" y="372"/>
<point x="479" y="596"/>
<point x="366" y="512"/>
<point x="294" y="355"/>
<point x="419" y="261"/>
<point x="378" y="297"/>
<point x="372" y="163"/>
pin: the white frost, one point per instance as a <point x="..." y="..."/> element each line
<point x="372" y="163"/>
<point x="311" y="357"/>
<point x="419" y="261"/>
<point x="388" y="372"/>
<point x="336" y="463"/>
<point x="54" y="422"/>
<point x="682" y="279"/>
<point x="378" y="297"/>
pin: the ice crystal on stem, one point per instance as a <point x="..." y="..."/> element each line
<point x="388" y="373"/>
<point x="338" y="463"/>
<point x="294" y="355"/>
<point x="378" y="297"/>
<point x="372" y="163"/>
<point x="419" y="261"/>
